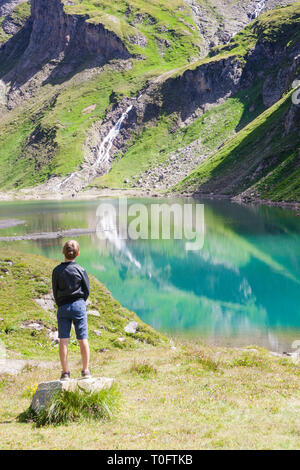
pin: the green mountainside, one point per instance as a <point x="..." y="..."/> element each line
<point x="203" y="90"/>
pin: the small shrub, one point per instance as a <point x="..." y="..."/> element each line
<point x="116" y="343"/>
<point x="143" y="368"/>
<point x="249" y="360"/>
<point x="30" y="389"/>
<point x="10" y="329"/>
<point x="203" y="359"/>
<point x="208" y="364"/>
<point x="69" y="406"/>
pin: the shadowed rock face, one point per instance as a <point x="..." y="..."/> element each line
<point x="195" y="91"/>
<point x="54" y="32"/>
<point x="52" y="46"/>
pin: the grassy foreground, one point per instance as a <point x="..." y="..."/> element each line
<point x="174" y="394"/>
<point x="191" y="397"/>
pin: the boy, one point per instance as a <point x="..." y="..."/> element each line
<point x="70" y="284"/>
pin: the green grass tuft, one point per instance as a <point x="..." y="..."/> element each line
<point x="143" y="369"/>
<point x="202" y="358"/>
<point x="75" y="406"/>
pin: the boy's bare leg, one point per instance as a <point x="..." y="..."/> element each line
<point x="63" y="353"/>
<point x="85" y="354"/>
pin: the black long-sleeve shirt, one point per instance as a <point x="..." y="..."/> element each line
<point x="69" y="282"/>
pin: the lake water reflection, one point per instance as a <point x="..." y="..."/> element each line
<point x="242" y="287"/>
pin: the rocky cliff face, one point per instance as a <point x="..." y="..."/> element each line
<point x="51" y="46"/>
<point x="220" y="20"/>
<point x="55" y="34"/>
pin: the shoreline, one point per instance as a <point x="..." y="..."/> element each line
<point x="46" y="235"/>
<point x="8" y="223"/>
<point x="93" y="194"/>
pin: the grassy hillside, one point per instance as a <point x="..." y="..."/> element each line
<point x="168" y="28"/>
<point x="153" y="143"/>
<point x="45" y="135"/>
<point x="26" y="277"/>
<point x="263" y="159"/>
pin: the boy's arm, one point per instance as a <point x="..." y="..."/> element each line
<point x="86" y="284"/>
<point x="54" y="285"/>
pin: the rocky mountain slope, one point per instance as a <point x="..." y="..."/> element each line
<point x="13" y="15"/>
<point x="137" y="94"/>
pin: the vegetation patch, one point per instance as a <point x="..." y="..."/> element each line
<point x="17" y="17"/>
<point x="153" y="143"/>
<point x="143" y="369"/>
<point x="75" y="406"/>
<point x="183" y="406"/>
<point x="261" y="156"/>
<point x="27" y="277"/>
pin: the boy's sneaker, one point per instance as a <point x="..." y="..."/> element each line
<point x="85" y="374"/>
<point x="65" y="376"/>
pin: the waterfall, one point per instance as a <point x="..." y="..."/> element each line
<point x="258" y="9"/>
<point x="103" y="152"/>
<point x="106" y="144"/>
<point x="65" y="180"/>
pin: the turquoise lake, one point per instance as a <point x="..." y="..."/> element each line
<point x="241" y="288"/>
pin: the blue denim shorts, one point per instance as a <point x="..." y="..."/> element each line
<point x="74" y="312"/>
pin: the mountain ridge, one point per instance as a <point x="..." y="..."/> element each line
<point x="57" y="111"/>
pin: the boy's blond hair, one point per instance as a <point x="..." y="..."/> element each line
<point x="71" y="249"/>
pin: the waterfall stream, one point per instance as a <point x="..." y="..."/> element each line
<point x="64" y="181"/>
<point x="258" y="9"/>
<point x="103" y="153"/>
<point x="106" y="144"/>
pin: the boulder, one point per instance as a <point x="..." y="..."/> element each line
<point x="46" y="302"/>
<point x="53" y="336"/>
<point x="36" y="325"/>
<point x="131" y="327"/>
<point x="46" y="390"/>
<point x="93" y="312"/>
